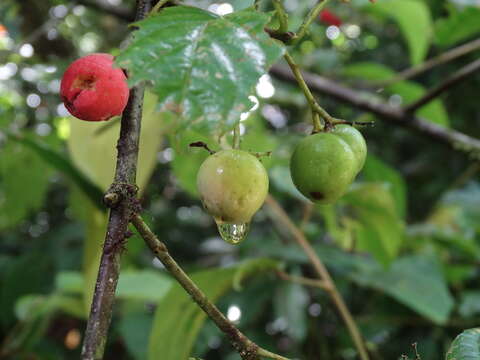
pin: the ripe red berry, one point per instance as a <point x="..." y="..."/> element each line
<point x="329" y="18"/>
<point x="93" y="90"/>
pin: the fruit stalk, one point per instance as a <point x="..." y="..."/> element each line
<point x="125" y="175"/>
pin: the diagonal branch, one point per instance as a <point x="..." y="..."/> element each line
<point x="245" y="347"/>
<point x="449" y="82"/>
<point x="125" y="189"/>
<point x="431" y="63"/>
<point x="367" y="101"/>
<point x="279" y="215"/>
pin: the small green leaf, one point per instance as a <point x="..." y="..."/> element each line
<point x="415" y="281"/>
<point x="144" y="285"/>
<point x="414" y="19"/>
<point x="465" y="346"/>
<point x="178" y="318"/>
<point x="135" y="328"/>
<point x="20" y="167"/>
<point x="92" y="146"/>
<point x="470" y="304"/>
<point x="465" y="23"/>
<point x="62" y="164"/>
<point x="69" y="282"/>
<point x="380" y="230"/>
<point x="201" y="65"/>
<point x="376" y="170"/>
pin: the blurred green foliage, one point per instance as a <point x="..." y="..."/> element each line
<point x="403" y="245"/>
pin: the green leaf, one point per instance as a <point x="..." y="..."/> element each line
<point x="376" y="170"/>
<point x="61" y="163"/>
<point x="408" y="90"/>
<point x="92" y="146"/>
<point x="20" y="167"/>
<point x="380" y="230"/>
<point x="465" y="346"/>
<point x="69" y="282"/>
<point x="415" y="281"/>
<point x="414" y="19"/>
<point x="187" y="160"/>
<point x="290" y="302"/>
<point x="464" y="23"/>
<point x="201" y="65"/>
<point x="135" y="328"/>
<point x="144" y="285"/>
<point x="178" y="319"/>
<point x="470" y="304"/>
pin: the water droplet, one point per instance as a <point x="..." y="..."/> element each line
<point x="232" y="233"/>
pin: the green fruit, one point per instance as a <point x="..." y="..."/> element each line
<point x="355" y="140"/>
<point x="322" y="166"/>
<point x="233" y="185"/>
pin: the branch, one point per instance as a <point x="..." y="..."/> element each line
<point x="455" y="139"/>
<point x="279" y="215"/>
<point x="312" y="15"/>
<point x="322" y="284"/>
<point x="119" y="12"/>
<point x="245" y="347"/>
<point x="438" y="60"/>
<point x="125" y="176"/>
<point x="451" y="81"/>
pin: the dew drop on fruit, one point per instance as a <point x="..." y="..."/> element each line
<point x="232" y="233"/>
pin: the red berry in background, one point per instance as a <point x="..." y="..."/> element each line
<point x="329" y="18"/>
<point x="93" y="90"/>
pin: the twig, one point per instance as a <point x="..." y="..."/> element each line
<point x="312" y="15"/>
<point x="316" y="109"/>
<point x="245" y="347"/>
<point x="431" y="63"/>
<point x="307" y="214"/>
<point x="158" y="6"/>
<point x="304" y="281"/>
<point x="451" y="81"/>
<point x="278" y="214"/>
<point x="455" y="139"/>
<point x="125" y="175"/>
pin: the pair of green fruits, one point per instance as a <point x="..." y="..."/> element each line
<point x="233" y="183"/>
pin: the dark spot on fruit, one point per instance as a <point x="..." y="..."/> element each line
<point x="84" y="82"/>
<point x="317" y="195"/>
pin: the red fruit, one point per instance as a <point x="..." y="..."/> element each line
<point x="329" y="18"/>
<point x="93" y="90"/>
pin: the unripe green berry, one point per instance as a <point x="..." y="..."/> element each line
<point x="355" y="140"/>
<point x="322" y="166"/>
<point x="233" y="185"/>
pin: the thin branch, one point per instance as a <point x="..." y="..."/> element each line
<point x="122" y="13"/>
<point x="125" y="176"/>
<point x="316" y="109"/>
<point x="322" y="284"/>
<point x="158" y="6"/>
<point x="312" y="15"/>
<point x="367" y="101"/>
<point x="245" y="347"/>
<point x="449" y="82"/>
<point x="278" y="214"/>
<point x="438" y="60"/>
